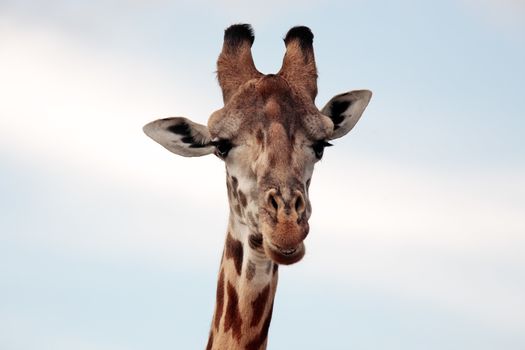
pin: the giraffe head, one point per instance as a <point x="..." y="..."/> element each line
<point x="269" y="134"/>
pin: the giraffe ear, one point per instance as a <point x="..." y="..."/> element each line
<point x="181" y="136"/>
<point x="345" y="110"/>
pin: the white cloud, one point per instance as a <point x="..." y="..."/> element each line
<point x="67" y="104"/>
<point x="455" y="240"/>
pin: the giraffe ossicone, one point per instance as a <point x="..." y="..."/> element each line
<point x="269" y="135"/>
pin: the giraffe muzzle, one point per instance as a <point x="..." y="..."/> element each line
<point x="288" y="252"/>
<point x="284" y="256"/>
<point x="284" y="225"/>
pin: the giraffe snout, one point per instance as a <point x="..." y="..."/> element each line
<point x="284" y="224"/>
<point x="287" y="207"/>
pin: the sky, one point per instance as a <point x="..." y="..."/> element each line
<point x="107" y="241"/>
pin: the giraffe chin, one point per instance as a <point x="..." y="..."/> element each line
<point x="284" y="256"/>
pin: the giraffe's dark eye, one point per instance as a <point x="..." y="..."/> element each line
<point x="318" y="148"/>
<point x="222" y="147"/>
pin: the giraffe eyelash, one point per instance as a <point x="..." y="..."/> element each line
<point x="322" y="143"/>
<point x="319" y="146"/>
<point x="222" y="147"/>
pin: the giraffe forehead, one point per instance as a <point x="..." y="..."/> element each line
<point x="272" y="110"/>
<point x="257" y="104"/>
<point x="270" y="127"/>
<point x="278" y="136"/>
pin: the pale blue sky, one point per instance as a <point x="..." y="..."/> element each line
<point x="107" y="241"/>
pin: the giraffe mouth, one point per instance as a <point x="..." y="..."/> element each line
<point x="287" y="252"/>
<point x="285" y="256"/>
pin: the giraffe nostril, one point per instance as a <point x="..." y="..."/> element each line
<point x="299" y="204"/>
<point x="273" y="202"/>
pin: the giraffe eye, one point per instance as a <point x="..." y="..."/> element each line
<point x="318" y="148"/>
<point x="222" y="147"/>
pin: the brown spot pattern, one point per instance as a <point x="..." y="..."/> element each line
<point x="275" y="268"/>
<point x="210" y="342"/>
<point x="259" y="340"/>
<point x="255" y="241"/>
<point x="232" y="318"/>
<point x="268" y="267"/>
<point x="242" y="199"/>
<point x="234" y="251"/>
<point x="250" y="270"/>
<point x="235" y="183"/>
<point x="260" y="137"/>
<point x="229" y="190"/>
<point x="220" y="300"/>
<point x="259" y="304"/>
<point x="237" y="208"/>
<point x="272" y="161"/>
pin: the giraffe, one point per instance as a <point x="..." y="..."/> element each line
<point x="269" y="134"/>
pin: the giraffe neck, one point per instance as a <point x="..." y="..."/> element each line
<point x="245" y="292"/>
